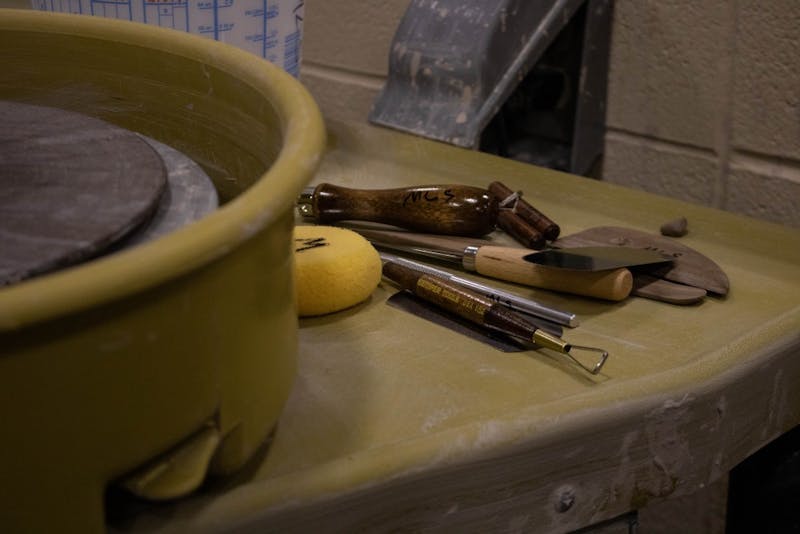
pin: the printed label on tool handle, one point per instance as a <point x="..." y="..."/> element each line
<point x="451" y="298"/>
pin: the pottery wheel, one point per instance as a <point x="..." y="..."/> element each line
<point x="70" y="185"/>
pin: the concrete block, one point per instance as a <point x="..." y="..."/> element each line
<point x="670" y="70"/>
<point x="766" y="108"/>
<point x="353" y="36"/>
<point x="673" y="171"/>
<point x="765" y="190"/>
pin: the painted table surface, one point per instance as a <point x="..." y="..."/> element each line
<point x="397" y="423"/>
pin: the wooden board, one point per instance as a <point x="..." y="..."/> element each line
<point x="70" y="185"/>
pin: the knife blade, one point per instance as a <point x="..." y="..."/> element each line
<point x="597" y="258"/>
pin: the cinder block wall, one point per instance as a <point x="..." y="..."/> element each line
<point x="703" y="104"/>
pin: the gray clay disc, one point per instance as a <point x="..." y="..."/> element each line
<point x="190" y="195"/>
<point x="70" y="185"/>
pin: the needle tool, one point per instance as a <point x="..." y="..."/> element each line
<point x="483" y="311"/>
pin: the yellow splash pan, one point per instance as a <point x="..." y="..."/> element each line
<point x="186" y="344"/>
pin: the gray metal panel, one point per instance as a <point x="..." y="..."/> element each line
<point x="454" y="62"/>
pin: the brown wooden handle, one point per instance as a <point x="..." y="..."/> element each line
<point x="507" y="263"/>
<point x="438" y="209"/>
<point x="526" y="212"/>
<point x="520" y="229"/>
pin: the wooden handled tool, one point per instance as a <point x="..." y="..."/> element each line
<point x="439" y="209"/>
<point x="524" y="222"/>
<point x="512" y="301"/>
<point x="520" y="229"/>
<point x="508" y="263"/>
<point x="482" y="311"/>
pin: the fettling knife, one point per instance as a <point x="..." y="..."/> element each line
<point x="508" y="263"/>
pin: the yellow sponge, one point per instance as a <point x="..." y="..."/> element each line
<point x="335" y="268"/>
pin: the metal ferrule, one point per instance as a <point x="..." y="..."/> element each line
<point x="468" y="260"/>
<point x="305" y="203"/>
<point x="543" y="339"/>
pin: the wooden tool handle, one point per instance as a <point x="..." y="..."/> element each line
<point x="438" y="209"/>
<point x="520" y="229"/>
<point x="526" y="212"/>
<point x="507" y="263"/>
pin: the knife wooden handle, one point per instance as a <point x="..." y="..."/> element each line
<point x="507" y="263"/>
<point x="438" y="209"/>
